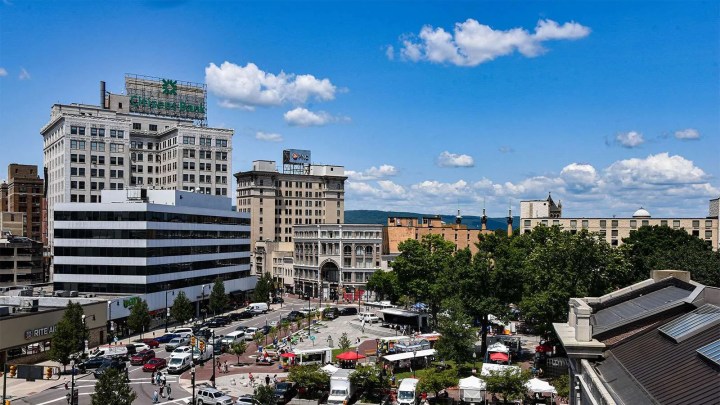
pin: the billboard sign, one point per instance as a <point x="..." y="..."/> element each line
<point x="296" y="156"/>
<point x="166" y="97"/>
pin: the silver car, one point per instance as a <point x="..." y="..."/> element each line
<point x="211" y="396"/>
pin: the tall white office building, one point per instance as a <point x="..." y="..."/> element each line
<point x="149" y="243"/>
<point x="155" y="136"/>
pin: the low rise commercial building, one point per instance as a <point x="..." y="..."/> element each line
<point x="21" y="261"/>
<point x="655" y="342"/>
<point x="614" y="229"/>
<point x="276" y="258"/>
<point x="336" y="260"/>
<point x="151" y="244"/>
<point x="13" y="223"/>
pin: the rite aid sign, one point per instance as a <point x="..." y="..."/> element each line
<point x="33" y="333"/>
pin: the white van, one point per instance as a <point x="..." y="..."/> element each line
<point x="407" y="392"/>
<point x="201" y="357"/>
<point x="258" y="308"/>
<point x="368" y="317"/>
<point x="179" y="363"/>
<point x="110" y="351"/>
<point x="233" y="337"/>
<point x="178" y="331"/>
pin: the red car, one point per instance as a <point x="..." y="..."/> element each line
<point x="152" y="343"/>
<point x="141" y="358"/>
<point x="155" y="364"/>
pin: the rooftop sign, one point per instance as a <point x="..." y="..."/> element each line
<point x="296" y="156"/>
<point x="166" y="97"/>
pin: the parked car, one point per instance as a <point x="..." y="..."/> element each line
<point x="178" y="331"/>
<point x="179" y="363"/>
<point x="247" y="400"/>
<point x="175" y="342"/>
<point x="265" y="329"/>
<point x="278" y="300"/>
<point x="284" y="392"/>
<point x="331" y="313"/>
<point x="236" y="316"/>
<point x="155" y="364"/>
<point x="152" y="343"/>
<point x="344" y="311"/>
<point x="294" y="316"/>
<point x="166" y="337"/>
<point x="141" y="358"/>
<point x="92" y="363"/>
<point x="139" y="346"/>
<point x="250" y="333"/>
<point x="212" y="396"/>
<point x="181" y="350"/>
<point x="241" y="328"/>
<point x="213" y="323"/>
<point x="368" y="317"/>
<point x="108" y="364"/>
<point x="223" y="319"/>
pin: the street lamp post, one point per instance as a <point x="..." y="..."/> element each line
<point x="72" y="382"/>
<point x="213" y="357"/>
<point x="110" y="322"/>
<point x="201" y="302"/>
<point x="167" y="309"/>
<point x="474" y="362"/>
<point x="413" y="362"/>
<point x="192" y="378"/>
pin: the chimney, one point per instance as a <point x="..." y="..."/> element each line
<point x="102" y="94"/>
<point x="483" y="221"/>
<point x="509" y="222"/>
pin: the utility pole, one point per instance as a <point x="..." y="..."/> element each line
<point x="192" y="373"/>
<point x="213" y="357"/>
<point x="4" y="381"/>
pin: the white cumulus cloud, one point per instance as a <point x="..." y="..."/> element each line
<point x="24" y="74"/>
<point x="372" y="173"/>
<point x="248" y="86"/>
<point x="630" y="139"/>
<point x="655" y="170"/>
<point x="302" y="117"/>
<point x="390" y="52"/>
<point x="3" y="72"/>
<point x="447" y="159"/>
<point x="268" y="136"/>
<point x="687" y="134"/>
<point x="472" y="43"/>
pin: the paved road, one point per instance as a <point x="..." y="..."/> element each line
<point x="140" y="380"/>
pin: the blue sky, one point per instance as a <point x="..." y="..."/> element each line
<point x="431" y="106"/>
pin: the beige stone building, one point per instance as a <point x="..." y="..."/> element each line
<point x="303" y="194"/>
<point x="276" y="258"/>
<point x="614" y="229"/>
<point x="400" y="229"/>
<point x="13" y="223"/>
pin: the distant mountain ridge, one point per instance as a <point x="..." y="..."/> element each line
<point x="380" y="217"/>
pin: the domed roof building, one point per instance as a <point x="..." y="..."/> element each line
<point x="641" y="213"/>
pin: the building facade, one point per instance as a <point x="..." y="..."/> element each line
<point x="614" y="229"/>
<point x="333" y="260"/>
<point x="400" y="229"/>
<point x="21" y="261"/>
<point x="25" y="194"/>
<point x="13" y="223"/>
<point x="276" y="258"/>
<point x="129" y="140"/>
<point x="151" y="244"/>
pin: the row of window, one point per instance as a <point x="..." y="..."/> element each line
<point x="103" y="251"/>
<point x="96" y="146"/>
<point x="614" y="223"/>
<point x="149" y="288"/>
<point x="148" y="217"/>
<point x="147" y="234"/>
<point x="109" y="270"/>
<point x="99" y="132"/>
<point x="80" y="158"/>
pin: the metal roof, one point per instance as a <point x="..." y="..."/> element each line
<point x="686" y="326"/>
<point x="711" y="352"/>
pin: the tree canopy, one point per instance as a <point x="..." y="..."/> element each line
<point x="70" y="334"/>
<point x="263" y="288"/>
<point x="112" y="388"/>
<point x="139" y="319"/>
<point x="436" y="382"/>
<point x="384" y="284"/>
<point x="370" y="380"/>
<point x="310" y="378"/>
<point x="510" y="383"/>
<point x="218" y="298"/>
<point x="181" y="310"/>
<point x="458" y="338"/>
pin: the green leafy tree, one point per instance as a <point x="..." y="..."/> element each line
<point x="139" y="319"/>
<point x="112" y="389"/>
<point x="422" y="270"/>
<point x="344" y="342"/>
<point x="662" y="248"/>
<point x="238" y="349"/>
<point x="562" y="386"/>
<point x="182" y="309"/>
<point x="436" y="382"/>
<point x="265" y="394"/>
<point x="384" y="284"/>
<point x="258" y="338"/>
<point x="263" y="288"/>
<point x="510" y="383"/>
<point x="458" y="338"/>
<point x="298" y="324"/>
<point x="285" y="326"/>
<point x="218" y="298"/>
<point x="70" y="334"/>
<point x="273" y="332"/>
<point x="369" y="380"/>
<point x="311" y="380"/>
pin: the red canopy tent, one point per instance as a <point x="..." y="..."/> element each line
<point x="288" y="355"/>
<point x="499" y="357"/>
<point x="350" y="356"/>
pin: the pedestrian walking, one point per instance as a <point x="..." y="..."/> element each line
<point x="267" y="379"/>
<point x="225" y="367"/>
<point x="158" y="377"/>
<point x="169" y="392"/>
<point x="155" y="397"/>
<point x="152" y="378"/>
<point x="163" y="378"/>
<point x="219" y="367"/>
<point x="275" y="379"/>
<point x="162" y="395"/>
<point x="127" y="375"/>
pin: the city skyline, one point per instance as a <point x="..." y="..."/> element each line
<point x="609" y="106"/>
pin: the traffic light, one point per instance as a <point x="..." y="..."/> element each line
<point x="192" y="341"/>
<point x="12" y="371"/>
<point x="48" y="372"/>
<point x="202" y="347"/>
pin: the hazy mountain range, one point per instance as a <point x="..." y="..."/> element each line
<point x="380" y="217"/>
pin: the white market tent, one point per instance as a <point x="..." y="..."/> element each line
<point x="539" y="386"/>
<point x="330" y="369"/>
<point x="498" y="347"/>
<point x="472" y="389"/>
<point x="409" y="355"/>
<point x="488" y="368"/>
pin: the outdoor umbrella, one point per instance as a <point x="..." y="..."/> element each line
<point x="498" y="357"/>
<point x="288" y="355"/>
<point x="350" y="356"/>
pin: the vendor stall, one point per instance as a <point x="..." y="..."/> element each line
<point x="541" y="391"/>
<point x="498" y="353"/>
<point x="472" y="390"/>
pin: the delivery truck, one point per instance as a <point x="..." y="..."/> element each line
<point x="341" y="388"/>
